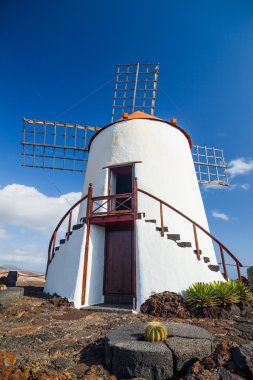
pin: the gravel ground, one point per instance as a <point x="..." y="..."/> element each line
<point x="52" y="334"/>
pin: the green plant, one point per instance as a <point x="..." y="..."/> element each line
<point x="3" y="287"/>
<point x="241" y="290"/>
<point x="225" y="293"/>
<point x="155" y="332"/>
<point x="201" y="295"/>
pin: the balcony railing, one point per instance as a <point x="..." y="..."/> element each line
<point x="112" y="204"/>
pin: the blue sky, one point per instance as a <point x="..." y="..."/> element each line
<point x="56" y="53"/>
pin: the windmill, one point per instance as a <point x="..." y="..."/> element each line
<point x="134" y="196"/>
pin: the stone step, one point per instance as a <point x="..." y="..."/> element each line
<point x="214" y="268"/>
<point x="150" y="220"/>
<point x="57" y="248"/>
<point x="206" y="259"/>
<point x="62" y="241"/>
<point x="184" y="244"/>
<point x="160" y="229"/>
<point x="174" y="237"/>
<point x="141" y="215"/>
<point x="195" y="251"/>
<point x="77" y="227"/>
<point x="69" y="233"/>
<point x="108" y="308"/>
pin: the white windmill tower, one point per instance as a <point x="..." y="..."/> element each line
<point x="142" y="226"/>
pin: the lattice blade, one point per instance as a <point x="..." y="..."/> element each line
<point x="57" y="146"/>
<point x="210" y="165"/>
<point x="135" y="88"/>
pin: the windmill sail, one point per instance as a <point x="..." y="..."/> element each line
<point x="64" y="146"/>
<point x="52" y="145"/>
<point x="135" y="89"/>
<point x="210" y="165"/>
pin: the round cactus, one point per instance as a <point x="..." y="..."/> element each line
<point x="3" y="287"/>
<point x="155" y="332"/>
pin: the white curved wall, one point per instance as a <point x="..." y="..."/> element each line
<point x="166" y="171"/>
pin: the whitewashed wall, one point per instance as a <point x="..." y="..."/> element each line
<point x="167" y="171"/>
<point x="65" y="273"/>
<point x="162" y="265"/>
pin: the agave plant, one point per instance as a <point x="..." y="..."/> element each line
<point x="225" y="293"/>
<point x="201" y="295"/>
<point x="241" y="290"/>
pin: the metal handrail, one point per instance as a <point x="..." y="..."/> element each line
<point x="51" y="248"/>
<point x="52" y="242"/>
<point x="195" y="224"/>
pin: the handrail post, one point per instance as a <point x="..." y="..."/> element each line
<point x="238" y="271"/>
<point x="196" y="241"/>
<point x="69" y="225"/>
<point x="224" y="264"/>
<point x="86" y="251"/>
<point x="135" y="211"/>
<point x="53" y="246"/>
<point x="135" y="198"/>
<point x="161" y="217"/>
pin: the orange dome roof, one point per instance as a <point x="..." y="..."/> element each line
<point x="138" y="115"/>
<point x="143" y="115"/>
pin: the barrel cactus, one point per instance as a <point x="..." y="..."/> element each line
<point x="3" y="287"/>
<point x="155" y="332"/>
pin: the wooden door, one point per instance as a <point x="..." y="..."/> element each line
<point x="118" y="262"/>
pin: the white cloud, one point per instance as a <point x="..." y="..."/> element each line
<point x="240" y="166"/>
<point x="245" y="186"/>
<point x="29" y="217"/>
<point x="25" y="206"/>
<point x="232" y="186"/>
<point x="24" y="255"/>
<point x="3" y="233"/>
<point x="221" y="215"/>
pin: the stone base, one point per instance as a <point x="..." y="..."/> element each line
<point x="11" y="295"/>
<point x="128" y="355"/>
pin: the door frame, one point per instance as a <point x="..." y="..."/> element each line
<point x="111" y="169"/>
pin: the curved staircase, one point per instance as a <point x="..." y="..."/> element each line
<point x="103" y="209"/>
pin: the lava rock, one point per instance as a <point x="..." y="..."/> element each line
<point x="128" y="355"/>
<point x="12" y="277"/>
<point x="210" y="312"/>
<point x="187" y="351"/>
<point x="166" y="304"/>
<point x="144" y="359"/>
<point x="58" y="301"/>
<point x="243" y="358"/>
<point x="185" y="330"/>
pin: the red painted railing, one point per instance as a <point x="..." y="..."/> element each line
<point x="196" y="226"/>
<point x="128" y="204"/>
<point x="52" y="243"/>
<point x="112" y="204"/>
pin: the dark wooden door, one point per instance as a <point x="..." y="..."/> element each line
<point x="118" y="262"/>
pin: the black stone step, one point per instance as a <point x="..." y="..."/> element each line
<point x="62" y="241"/>
<point x="195" y="251"/>
<point x="108" y="308"/>
<point x="184" y="244"/>
<point x="173" y="237"/>
<point x="141" y="215"/>
<point x="214" y="268"/>
<point x="150" y="220"/>
<point x="69" y="233"/>
<point x="57" y="248"/>
<point x="115" y="299"/>
<point x="160" y="229"/>
<point x="206" y="259"/>
<point x="77" y="227"/>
